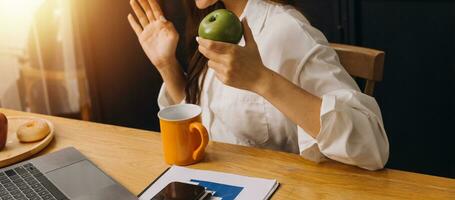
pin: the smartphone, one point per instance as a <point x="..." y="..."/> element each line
<point x="181" y="191"/>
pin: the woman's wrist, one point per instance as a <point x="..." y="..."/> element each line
<point x="175" y="80"/>
<point x="265" y="82"/>
<point x="169" y="68"/>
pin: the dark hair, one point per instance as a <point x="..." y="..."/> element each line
<point x="197" y="62"/>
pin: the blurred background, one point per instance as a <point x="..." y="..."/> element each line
<point x="79" y="59"/>
<point x="42" y="66"/>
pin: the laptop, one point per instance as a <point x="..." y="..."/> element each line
<point x="65" y="174"/>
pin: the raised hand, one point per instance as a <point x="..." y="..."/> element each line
<point x="157" y="36"/>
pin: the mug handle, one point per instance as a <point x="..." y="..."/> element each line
<point x="197" y="127"/>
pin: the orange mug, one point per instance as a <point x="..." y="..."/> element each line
<point x="183" y="136"/>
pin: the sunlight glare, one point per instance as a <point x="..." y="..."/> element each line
<point x="15" y="21"/>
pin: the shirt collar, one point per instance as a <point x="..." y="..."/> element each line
<point x="255" y="12"/>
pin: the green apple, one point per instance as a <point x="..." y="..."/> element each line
<point x="221" y="25"/>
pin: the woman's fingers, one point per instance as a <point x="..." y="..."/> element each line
<point x="248" y="34"/>
<point x="136" y="27"/>
<point x="156" y="9"/>
<point x="211" y="55"/>
<point x="220" y="47"/>
<point x="148" y="11"/>
<point x="139" y="13"/>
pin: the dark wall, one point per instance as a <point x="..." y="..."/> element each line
<point x="416" y="95"/>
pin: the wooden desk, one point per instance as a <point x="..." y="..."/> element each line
<point x="134" y="158"/>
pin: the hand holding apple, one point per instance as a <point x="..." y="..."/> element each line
<point x="3" y="130"/>
<point x="234" y="65"/>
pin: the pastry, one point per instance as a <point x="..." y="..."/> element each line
<point x="33" y="131"/>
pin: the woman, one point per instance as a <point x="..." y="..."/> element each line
<point x="281" y="88"/>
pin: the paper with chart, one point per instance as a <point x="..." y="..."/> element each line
<point x="225" y="186"/>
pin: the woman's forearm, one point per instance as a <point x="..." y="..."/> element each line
<point x="298" y="105"/>
<point x="175" y="80"/>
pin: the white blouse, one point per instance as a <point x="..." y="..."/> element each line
<point x="352" y="130"/>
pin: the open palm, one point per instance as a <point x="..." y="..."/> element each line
<point x="157" y="36"/>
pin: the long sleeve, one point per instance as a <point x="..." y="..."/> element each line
<point x="164" y="100"/>
<point x="352" y="129"/>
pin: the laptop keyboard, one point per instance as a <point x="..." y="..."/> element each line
<point x="26" y="182"/>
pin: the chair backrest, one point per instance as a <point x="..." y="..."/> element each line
<point x="362" y="63"/>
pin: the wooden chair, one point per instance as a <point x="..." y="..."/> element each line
<point x="362" y="63"/>
<point x="30" y="77"/>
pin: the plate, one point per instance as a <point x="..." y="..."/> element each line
<point x="16" y="151"/>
